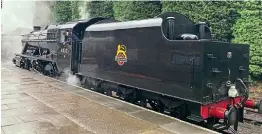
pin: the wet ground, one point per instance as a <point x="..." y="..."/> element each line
<point x="34" y="104"/>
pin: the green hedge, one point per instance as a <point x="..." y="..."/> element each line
<point x="248" y="29"/>
<point x="75" y="10"/>
<point x="100" y="9"/>
<point x="62" y="11"/>
<point x="133" y="10"/>
<point x="220" y="16"/>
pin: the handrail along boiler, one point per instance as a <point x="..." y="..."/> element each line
<point x="167" y="61"/>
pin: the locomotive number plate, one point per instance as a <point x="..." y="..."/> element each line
<point x="185" y="59"/>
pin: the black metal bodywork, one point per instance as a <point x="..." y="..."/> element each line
<point x="161" y="61"/>
<point x="69" y="52"/>
<point x="219" y="68"/>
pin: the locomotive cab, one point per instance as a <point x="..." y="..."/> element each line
<point x="71" y="36"/>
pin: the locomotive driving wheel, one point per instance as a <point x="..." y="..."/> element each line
<point x="49" y="70"/>
<point x="25" y="64"/>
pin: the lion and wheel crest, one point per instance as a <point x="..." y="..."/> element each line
<point x="121" y="56"/>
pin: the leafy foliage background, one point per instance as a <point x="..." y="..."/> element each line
<point x="100" y="9"/>
<point x="133" y="10"/>
<point x="248" y="29"/>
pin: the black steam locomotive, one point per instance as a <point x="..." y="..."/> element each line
<point x="167" y="61"/>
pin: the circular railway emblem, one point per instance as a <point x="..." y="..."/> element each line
<point x="121" y="57"/>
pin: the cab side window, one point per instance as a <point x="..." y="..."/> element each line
<point x="64" y="35"/>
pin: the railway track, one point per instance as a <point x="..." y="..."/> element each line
<point x="251" y="110"/>
<point x="252" y="117"/>
<point x="254" y="122"/>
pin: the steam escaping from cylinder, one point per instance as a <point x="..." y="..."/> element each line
<point x="70" y="78"/>
<point x="18" y="18"/>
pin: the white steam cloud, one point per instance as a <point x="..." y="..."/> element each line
<point x="82" y="10"/>
<point x="70" y="78"/>
<point x="19" y="17"/>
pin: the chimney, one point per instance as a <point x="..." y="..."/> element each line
<point x="37" y="28"/>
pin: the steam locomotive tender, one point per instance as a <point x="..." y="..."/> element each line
<point x="167" y="61"/>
